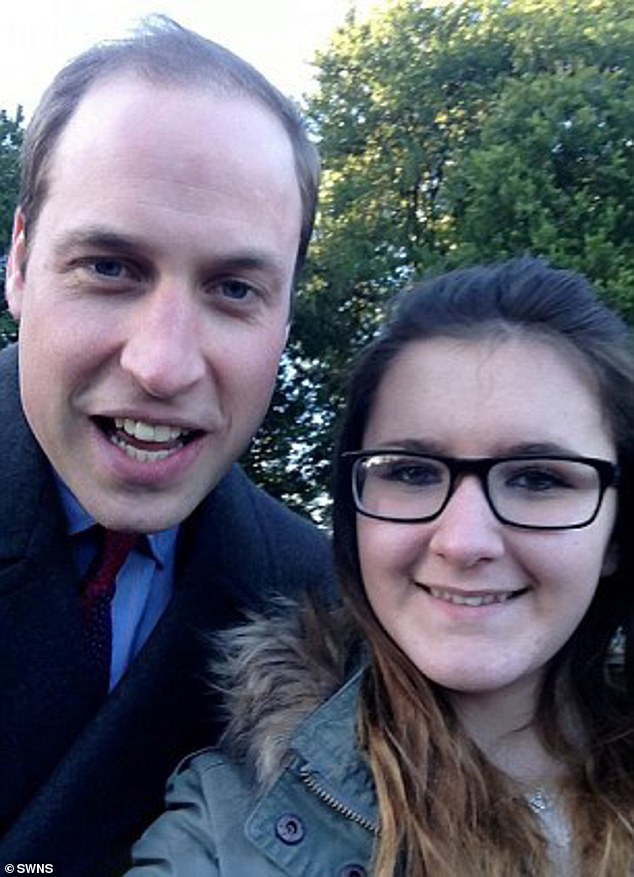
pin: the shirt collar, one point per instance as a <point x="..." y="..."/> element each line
<point x="161" y="544"/>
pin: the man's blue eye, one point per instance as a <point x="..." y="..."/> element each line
<point x="108" y="267"/>
<point x="235" y="289"/>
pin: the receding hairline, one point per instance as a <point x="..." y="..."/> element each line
<point x="163" y="53"/>
<point x="209" y="79"/>
<point x="216" y="92"/>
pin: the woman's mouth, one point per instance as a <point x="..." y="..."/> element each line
<point x="465" y="598"/>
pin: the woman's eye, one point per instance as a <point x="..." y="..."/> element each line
<point x="412" y="474"/>
<point x="535" y="480"/>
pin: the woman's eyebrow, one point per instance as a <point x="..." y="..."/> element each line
<point x="414" y="445"/>
<point x="539" y="449"/>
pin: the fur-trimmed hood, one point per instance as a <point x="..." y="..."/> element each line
<point x="273" y="671"/>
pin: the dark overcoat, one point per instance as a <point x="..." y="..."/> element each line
<point x="80" y="779"/>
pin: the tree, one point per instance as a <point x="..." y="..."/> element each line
<point x="567" y="150"/>
<point x="450" y="135"/>
<point x="10" y="142"/>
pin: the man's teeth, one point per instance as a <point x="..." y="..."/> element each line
<point x="146" y="432"/>
<point x="149" y="432"/>
<point x="470" y="600"/>
<point x="141" y="455"/>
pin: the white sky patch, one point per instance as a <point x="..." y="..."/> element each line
<point x="279" y="37"/>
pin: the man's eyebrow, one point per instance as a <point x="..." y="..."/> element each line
<point x="105" y="239"/>
<point x="99" y="238"/>
<point x="248" y="260"/>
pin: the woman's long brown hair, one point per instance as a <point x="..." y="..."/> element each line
<point x="445" y="810"/>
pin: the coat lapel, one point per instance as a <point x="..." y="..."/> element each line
<point x="114" y="774"/>
<point x="45" y="686"/>
<point x="80" y="779"/>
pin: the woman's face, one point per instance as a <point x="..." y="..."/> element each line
<point x="425" y="581"/>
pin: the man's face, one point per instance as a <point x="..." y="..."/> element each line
<point x="155" y="301"/>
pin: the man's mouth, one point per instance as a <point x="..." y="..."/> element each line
<point x="464" y="599"/>
<point x="143" y="441"/>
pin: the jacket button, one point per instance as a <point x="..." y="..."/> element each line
<point x="289" y="828"/>
<point x="352" y="871"/>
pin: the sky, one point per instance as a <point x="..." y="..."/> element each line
<point x="278" y="36"/>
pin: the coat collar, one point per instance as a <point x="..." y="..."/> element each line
<point x="290" y="683"/>
<point x="327" y="752"/>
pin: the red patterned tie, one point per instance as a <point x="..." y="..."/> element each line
<point x="97" y="592"/>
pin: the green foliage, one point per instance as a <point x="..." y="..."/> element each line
<point x="567" y="152"/>
<point x="8" y="328"/>
<point x="450" y="135"/>
<point x="10" y="142"/>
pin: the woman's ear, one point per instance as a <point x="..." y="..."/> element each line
<point x="16" y="262"/>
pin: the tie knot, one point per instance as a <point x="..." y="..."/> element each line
<point x="115" y="548"/>
<point x="113" y="551"/>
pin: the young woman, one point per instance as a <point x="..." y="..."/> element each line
<point x="469" y="712"/>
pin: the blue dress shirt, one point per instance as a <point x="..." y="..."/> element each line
<point x="144" y="583"/>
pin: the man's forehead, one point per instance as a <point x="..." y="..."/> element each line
<point x="125" y="114"/>
<point x="128" y="87"/>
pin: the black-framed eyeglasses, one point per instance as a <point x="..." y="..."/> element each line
<point x="536" y="493"/>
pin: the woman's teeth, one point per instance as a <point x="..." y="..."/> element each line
<point x="471" y="599"/>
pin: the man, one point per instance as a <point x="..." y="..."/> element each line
<point x="167" y="200"/>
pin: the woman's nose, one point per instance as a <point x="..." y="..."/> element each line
<point x="467" y="531"/>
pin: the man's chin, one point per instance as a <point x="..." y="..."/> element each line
<point x="151" y="515"/>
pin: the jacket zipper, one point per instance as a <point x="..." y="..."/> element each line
<point x="310" y="781"/>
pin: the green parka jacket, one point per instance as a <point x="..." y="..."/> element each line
<point x="288" y="793"/>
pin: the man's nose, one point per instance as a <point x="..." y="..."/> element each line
<point x="163" y="350"/>
<point x="467" y="531"/>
